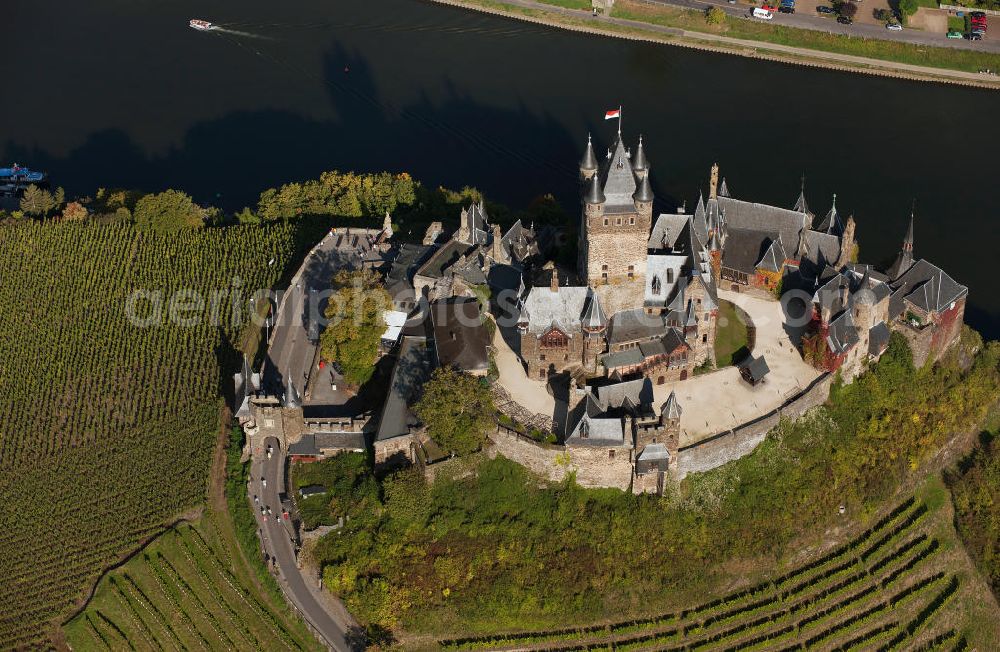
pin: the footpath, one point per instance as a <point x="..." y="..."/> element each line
<point x="565" y="18"/>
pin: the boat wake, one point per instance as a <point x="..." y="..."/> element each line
<point x="236" y="32"/>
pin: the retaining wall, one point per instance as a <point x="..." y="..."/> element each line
<point x="552" y="462"/>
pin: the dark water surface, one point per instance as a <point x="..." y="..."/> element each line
<point x="123" y="93"/>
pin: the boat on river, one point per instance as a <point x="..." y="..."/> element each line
<point x="200" y="24"/>
<point x="17" y="175"/>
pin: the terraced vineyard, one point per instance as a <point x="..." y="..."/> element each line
<point x="886" y="589"/>
<point x="183" y="593"/>
<point x="107" y="425"/>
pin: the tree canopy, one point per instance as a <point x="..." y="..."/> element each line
<point x="39" y="202"/>
<point x="170" y="210"/>
<point x="339" y="194"/>
<point x="456" y="409"/>
<point x="355" y="327"/>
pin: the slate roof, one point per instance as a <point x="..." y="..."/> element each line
<point x="671" y="409"/>
<point x="619" y="179"/>
<point x="519" y="242"/>
<point x="460" y="338"/>
<point x="595" y="431"/>
<point x="618" y="359"/>
<point x="761" y="217"/>
<point x="637" y="392"/>
<point x="821" y="248"/>
<point x="746" y="247"/>
<point x="593" y="314"/>
<point x="314" y="444"/>
<point x="842" y="334"/>
<point x="408" y="259"/>
<point x="773" y="259"/>
<point x="756" y="369"/>
<point x="831" y="223"/>
<point x="653" y="457"/>
<point x="564" y="309"/>
<point x="474" y="219"/>
<point x="878" y="338"/>
<point x="413" y="367"/>
<point x="589" y="160"/>
<point x="927" y="287"/>
<point x="502" y="277"/>
<point x="443" y="258"/>
<point x="631" y="325"/>
<point x="656" y="268"/>
<point x="829" y="296"/>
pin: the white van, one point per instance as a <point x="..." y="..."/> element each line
<point x="763" y="14"/>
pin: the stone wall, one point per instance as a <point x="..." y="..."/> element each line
<point x="733" y="444"/>
<point x="592" y="465"/>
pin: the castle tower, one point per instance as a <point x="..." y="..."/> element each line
<point x="904" y="259"/>
<point x="713" y="182"/>
<point x="387" y="225"/>
<point x="847" y="246"/>
<point x="594" y="326"/>
<point x="614" y="230"/>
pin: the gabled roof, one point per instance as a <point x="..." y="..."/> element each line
<point x="595" y="431"/>
<point x="474" y="221"/>
<point x="443" y="258"/>
<point x="927" y="287"/>
<point x="564" y="308"/>
<point x="412" y="368"/>
<point x="773" y="259"/>
<point x="635" y="324"/>
<point x="618" y="359"/>
<point x="745" y="248"/>
<point x="761" y="217"/>
<point x="822" y="249"/>
<point x="666" y="230"/>
<point x="755" y="369"/>
<point x="842" y="334"/>
<point x="460" y="338"/>
<point x="634" y="392"/>
<point x="831" y="223"/>
<point x="667" y="271"/>
<point x="878" y="338"/>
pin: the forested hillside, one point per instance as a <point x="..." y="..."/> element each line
<point x="107" y="427"/>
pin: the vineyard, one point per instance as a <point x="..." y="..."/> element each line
<point x="107" y="427"/>
<point x="181" y="593"/>
<point x="895" y="586"/>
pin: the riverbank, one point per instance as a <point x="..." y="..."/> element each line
<point x="682" y="27"/>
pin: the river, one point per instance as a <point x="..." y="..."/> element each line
<point x="124" y="93"/>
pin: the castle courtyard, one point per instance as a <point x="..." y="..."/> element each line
<point x="713" y="402"/>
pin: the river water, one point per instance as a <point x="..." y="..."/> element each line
<point x="124" y="93"/>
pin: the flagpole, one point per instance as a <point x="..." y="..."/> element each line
<point x="619" y="122"/>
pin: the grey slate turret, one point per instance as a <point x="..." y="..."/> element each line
<point x="593" y="315"/>
<point x="291" y="396"/>
<point x="671" y="408"/>
<point x="800" y="204"/>
<point x="831" y="224"/>
<point x="724" y="189"/>
<point x="904" y="259"/>
<point x="589" y="161"/>
<point x="644" y="192"/>
<point x="639" y="161"/>
<point x="594" y="194"/>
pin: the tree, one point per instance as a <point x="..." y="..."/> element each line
<point x="908" y="7"/>
<point x="457" y="410"/>
<point x="848" y="9"/>
<point x="355" y="326"/>
<point x="37" y="201"/>
<point x="715" y="16"/>
<point x="167" y="211"/>
<point x="74" y="212"/>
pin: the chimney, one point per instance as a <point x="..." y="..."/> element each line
<point x="555" y="280"/>
<point x="497" y="238"/>
<point x="713" y="182"/>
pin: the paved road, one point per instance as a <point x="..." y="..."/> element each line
<point x="808" y="20"/>
<point x="276" y="538"/>
<point x="290" y="352"/>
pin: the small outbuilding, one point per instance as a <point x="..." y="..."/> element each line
<point x="754" y="370"/>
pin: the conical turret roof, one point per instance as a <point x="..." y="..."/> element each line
<point x="594" y="193"/>
<point x="672" y="408"/>
<point x="714" y="244"/>
<point x="292" y="396"/>
<point x="723" y="189"/>
<point x="593" y="314"/>
<point x="639" y="161"/>
<point x="589" y="160"/>
<point x="644" y="192"/>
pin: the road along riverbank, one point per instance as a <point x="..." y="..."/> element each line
<point x="580" y="21"/>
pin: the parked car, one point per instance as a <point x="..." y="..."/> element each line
<point x="894" y="27"/>
<point x="978" y="14"/>
<point x="844" y="20"/>
<point x="823" y="9"/>
<point x="954" y="34"/>
<point x="785" y="9"/>
<point x="972" y="36"/>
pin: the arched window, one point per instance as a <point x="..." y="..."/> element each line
<point x="655" y="285"/>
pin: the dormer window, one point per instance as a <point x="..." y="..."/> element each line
<point x="655" y="285"/>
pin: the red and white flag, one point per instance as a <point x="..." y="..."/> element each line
<point x="610" y="115"/>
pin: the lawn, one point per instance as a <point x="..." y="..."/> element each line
<point x="730" y="337"/>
